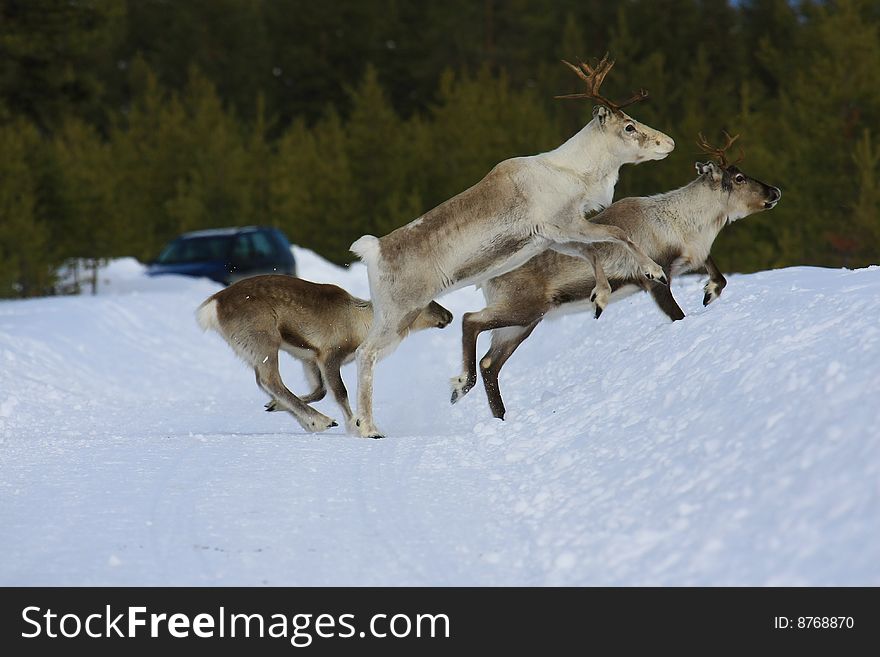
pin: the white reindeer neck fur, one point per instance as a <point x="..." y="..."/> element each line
<point x="587" y="152"/>
<point x="596" y="153"/>
<point x="587" y="155"/>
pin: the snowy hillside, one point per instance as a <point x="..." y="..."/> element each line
<point x="739" y="446"/>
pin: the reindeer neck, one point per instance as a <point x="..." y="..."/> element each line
<point x="587" y="153"/>
<point x="695" y="209"/>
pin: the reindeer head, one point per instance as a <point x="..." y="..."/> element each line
<point x="745" y="195"/>
<point x="631" y="141"/>
<point x="432" y="316"/>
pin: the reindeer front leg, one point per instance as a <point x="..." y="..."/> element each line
<point x="716" y="283"/>
<point x="386" y="333"/>
<point x="662" y="295"/>
<point x="601" y="293"/>
<point x="367" y="355"/>
<point x="586" y="232"/>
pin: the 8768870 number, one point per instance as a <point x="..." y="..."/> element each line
<point x="825" y="622"/>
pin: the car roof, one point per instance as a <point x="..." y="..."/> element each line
<point x="224" y="232"/>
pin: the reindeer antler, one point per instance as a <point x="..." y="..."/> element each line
<point x="720" y="153"/>
<point x="593" y="76"/>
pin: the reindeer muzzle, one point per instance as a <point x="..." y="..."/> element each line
<point x="775" y="195"/>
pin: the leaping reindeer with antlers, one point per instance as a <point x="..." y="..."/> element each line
<point x="522" y="207"/>
<point x="676" y="229"/>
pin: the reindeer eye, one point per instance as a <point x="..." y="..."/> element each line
<point x="740" y="178"/>
<point x="630" y="127"/>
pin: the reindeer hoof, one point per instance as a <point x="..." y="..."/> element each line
<point x="271" y="406"/>
<point x="365" y="429"/>
<point x="498" y="414"/>
<point x="317" y="423"/>
<point x="461" y="385"/>
<point x="600" y="297"/>
<point x="713" y="291"/>
<point x="458" y="394"/>
<point x="656" y="273"/>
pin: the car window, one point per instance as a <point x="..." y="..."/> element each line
<point x="280" y="241"/>
<point x="262" y="246"/>
<point x="242" y="251"/>
<point x="194" y="249"/>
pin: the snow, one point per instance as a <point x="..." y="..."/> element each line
<point x="737" y="447"/>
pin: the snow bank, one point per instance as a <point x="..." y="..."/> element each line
<point x="739" y="446"/>
<point x="312" y="267"/>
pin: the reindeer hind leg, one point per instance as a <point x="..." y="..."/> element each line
<point x="313" y="376"/>
<point x="472" y="325"/>
<point x="269" y="380"/>
<point x="504" y="342"/>
<point x="331" y="374"/>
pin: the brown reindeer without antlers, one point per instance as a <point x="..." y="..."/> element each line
<point x="593" y="77"/>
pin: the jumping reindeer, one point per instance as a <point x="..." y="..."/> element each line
<point x="320" y="325"/>
<point x="524" y="206"/>
<point x="676" y="229"/>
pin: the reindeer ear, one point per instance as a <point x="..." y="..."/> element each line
<point x="710" y="168"/>
<point x="602" y="113"/>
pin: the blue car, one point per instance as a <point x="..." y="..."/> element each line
<point x="226" y="255"/>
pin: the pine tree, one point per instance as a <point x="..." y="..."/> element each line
<point x="182" y="160"/>
<point x="865" y="240"/>
<point x="375" y="147"/>
<point x="477" y="123"/>
<point x="27" y="266"/>
<point x="830" y="98"/>
<point x="56" y="57"/>
<point x="145" y="144"/>
<point x="258" y="170"/>
<point x="212" y="187"/>
<point x="313" y="193"/>
<point x="88" y="228"/>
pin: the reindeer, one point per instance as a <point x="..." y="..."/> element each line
<point x="676" y="229"/>
<point x="320" y="325"/>
<point x="522" y="207"/>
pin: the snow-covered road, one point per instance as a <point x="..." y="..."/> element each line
<point x="739" y="446"/>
